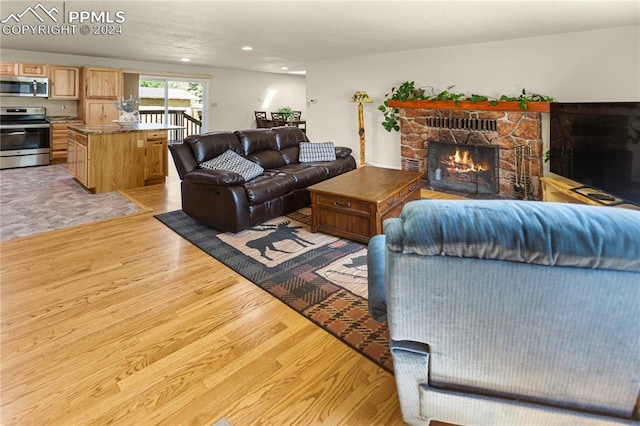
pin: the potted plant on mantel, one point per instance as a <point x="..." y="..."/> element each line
<point x="408" y="96"/>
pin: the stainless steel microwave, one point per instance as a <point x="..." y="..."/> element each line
<point x="24" y="86"/>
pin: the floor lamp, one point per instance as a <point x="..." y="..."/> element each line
<point x="361" y="97"/>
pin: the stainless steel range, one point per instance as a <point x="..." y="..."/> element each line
<point x="24" y="137"/>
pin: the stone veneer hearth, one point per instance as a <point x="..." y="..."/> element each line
<point x="505" y="129"/>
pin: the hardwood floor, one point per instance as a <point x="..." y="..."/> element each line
<point x="124" y="322"/>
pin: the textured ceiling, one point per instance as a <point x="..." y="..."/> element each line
<point x="293" y="33"/>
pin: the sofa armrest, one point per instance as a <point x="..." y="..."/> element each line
<point x="214" y="177"/>
<point x="342" y="152"/>
<point x="183" y="158"/>
<point x="376" y="271"/>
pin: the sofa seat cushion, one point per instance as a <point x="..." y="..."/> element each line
<point x="232" y="162"/>
<point x="337" y="167"/>
<point x="271" y="184"/>
<point x="304" y="175"/>
<point x="558" y="234"/>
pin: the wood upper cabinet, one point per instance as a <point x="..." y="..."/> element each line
<point x="64" y="82"/>
<point x="99" y="88"/>
<point x="8" y="68"/>
<point x="26" y="70"/>
<point x="102" y="83"/>
<point x="97" y="111"/>
<point x="32" y="70"/>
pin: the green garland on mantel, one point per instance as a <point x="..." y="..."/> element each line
<point x="408" y="92"/>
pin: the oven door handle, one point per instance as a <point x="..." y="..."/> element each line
<point x="16" y="133"/>
<point x="24" y="126"/>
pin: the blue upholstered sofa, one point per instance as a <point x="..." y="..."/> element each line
<point x="511" y="312"/>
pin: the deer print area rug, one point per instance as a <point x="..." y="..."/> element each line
<point x="322" y="277"/>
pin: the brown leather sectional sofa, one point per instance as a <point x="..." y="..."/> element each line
<point x="224" y="201"/>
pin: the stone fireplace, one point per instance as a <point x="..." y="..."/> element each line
<point x="504" y="141"/>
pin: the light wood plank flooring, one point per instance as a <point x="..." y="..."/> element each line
<point x="124" y="322"/>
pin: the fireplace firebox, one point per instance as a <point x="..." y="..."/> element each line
<point x="463" y="168"/>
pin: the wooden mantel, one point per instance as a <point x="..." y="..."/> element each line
<point x="471" y="106"/>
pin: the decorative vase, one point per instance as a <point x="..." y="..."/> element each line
<point x="133" y="116"/>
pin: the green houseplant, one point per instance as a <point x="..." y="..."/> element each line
<point x="287" y="113"/>
<point x="407" y="91"/>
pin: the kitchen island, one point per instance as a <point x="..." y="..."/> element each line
<point x="106" y="158"/>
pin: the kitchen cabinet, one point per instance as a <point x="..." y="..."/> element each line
<point x="64" y="82"/>
<point x="109" y="158"/>
<point x="99" y="88"/>
<point x="25" y="70"/>
<point x="155" y="156"/>
<point x="58" y="139"/>
<point x="32" y="70"/>
<point x="102" y="83"/>
<point x="8" y="68"/>
<point x="78" y="157"/>
<point x="98" y="111"/>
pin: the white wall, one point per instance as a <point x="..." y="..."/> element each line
<point x="236" y="93"/>
<point x="601" y="65"/>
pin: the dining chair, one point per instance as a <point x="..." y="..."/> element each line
<point x="278" y="119"/>
<point x="298" y="121"/>
<point x="262" y="121"/>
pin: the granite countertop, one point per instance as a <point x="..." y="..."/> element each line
<point x="62" y="119"/>
<point x="115" y="128"/>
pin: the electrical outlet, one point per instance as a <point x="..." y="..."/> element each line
<point x="140" y="143"/>
<point x="64" y="107"/>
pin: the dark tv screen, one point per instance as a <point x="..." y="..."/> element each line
<point x="597" y="144"/>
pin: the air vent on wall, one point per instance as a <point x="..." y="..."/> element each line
<point x="411" y="165"/>
<point x="462" y="123"/>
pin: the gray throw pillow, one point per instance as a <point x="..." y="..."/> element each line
<point x="316" y="151"/>
<point x="232" y="162"/>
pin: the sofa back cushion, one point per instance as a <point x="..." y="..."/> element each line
<point x="267" y="159"/>
<point x="289" y="136"/>
<point x="259" y="146"/>
<point x="256" y="140"/>
<point x="206" y="146"/>
<point x="553" y="234"/>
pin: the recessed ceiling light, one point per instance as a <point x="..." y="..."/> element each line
<point x="284" y="68"/>
<point x="247" y="48"/>
<point x="185" y="59"/>
<point x="298" y="72"/>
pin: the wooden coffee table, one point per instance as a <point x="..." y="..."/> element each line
<point x="354" y="205"/>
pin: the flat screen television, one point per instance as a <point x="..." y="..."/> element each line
<point x="597" y="144"/>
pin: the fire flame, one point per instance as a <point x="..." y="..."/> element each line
<point x="462" y="163"/>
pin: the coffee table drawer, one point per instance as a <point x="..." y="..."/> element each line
<point x="391" y="202"/>
<point x="342" y="203"/>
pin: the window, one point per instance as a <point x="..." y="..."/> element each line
<point x="172" y="101"/>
